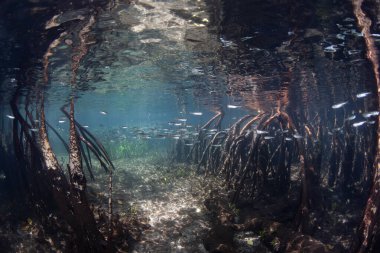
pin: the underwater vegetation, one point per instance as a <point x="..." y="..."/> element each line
<point x="128" y="149"/>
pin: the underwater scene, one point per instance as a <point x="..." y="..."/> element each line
<point x="189" y="126"/>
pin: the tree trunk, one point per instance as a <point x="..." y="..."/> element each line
<point x="369" y="234"/>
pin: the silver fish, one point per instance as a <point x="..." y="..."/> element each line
<point x="288" y="139"/>
<point x="336" y="106"/>
<point x="103" y="112"/>
<point x="331" y="49"/>
<point x="358" y="124"/>
<point x="337" y="129"/>
<point x="351" y="52"/>
<point x="261" y="131"/>
<point x="197" y="113"/>
<point x="297" y="136"/>
<point x="340" y="37"/>
<point x="352" y="117"/>
<point x="34" y="129"/>
<point x="124" y="127"/>
<point x="10" y="117"/>
<point x="182" y="119"/>
<point x="233" y="106"/>
<point x="246" y="38"/>
<point x="370" y="114"/>
<point x="61" y="121"/>
<point x="268" y="137"/>
<point x="85" y="126"/>
<point x="362" y="94"/>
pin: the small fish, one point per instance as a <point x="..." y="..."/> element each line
<point x="85" y="126"/>
<point x="124" y="127"/>
<point x="103" y="112"/>
<point x="349" y="20"/>
<point x="352" y="52"/>
<point x="337" y="129"/>
<point x="34" y="129"/>
<point x="268" y="137"/>
<point x="2" y="176"/>
<point x="340" y="37"/>
<point x="10" y="117"/>
<point x="36" y="121"/>
<point x="197" y="113"/>
<point x="362" y="94"/>
<point x="197" y="71"/>
<point x="371" y="122"/>
<point x="227" y="43"/>
<point x="375" y="35"/>
<point x="182" y="120"/>
<point x="352" y="117"/>
<point x="261" y="132"/>
<point x="61" y="121"/>
<point x="189" y="144"/>
<point x="246" y="38"/>
<point x="355" y="33"/>
<point x="297" y="136"/>
<point x="336" y="106"/>
<point x="370" y="114"/>
<point x="217" y="145"/>
<point x="233" y="106"/>
<point x="331" y="49"/>
<point x="288" y="139"/>
<point x="178" y="124"/>
<point x="176" y="137"/>
<point x="358" y="124"/>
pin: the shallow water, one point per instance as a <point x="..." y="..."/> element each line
<point x="169" y="196"/>
<point x="146" y="75"/>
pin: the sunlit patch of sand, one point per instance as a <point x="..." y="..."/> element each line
<point x="170" y="197"/>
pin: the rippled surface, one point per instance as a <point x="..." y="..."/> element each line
<point x="150" y="62"/>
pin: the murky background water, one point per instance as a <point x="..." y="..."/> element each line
<point x="148" y="73"/>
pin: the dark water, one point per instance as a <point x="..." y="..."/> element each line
<point x="147" y="74"/>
